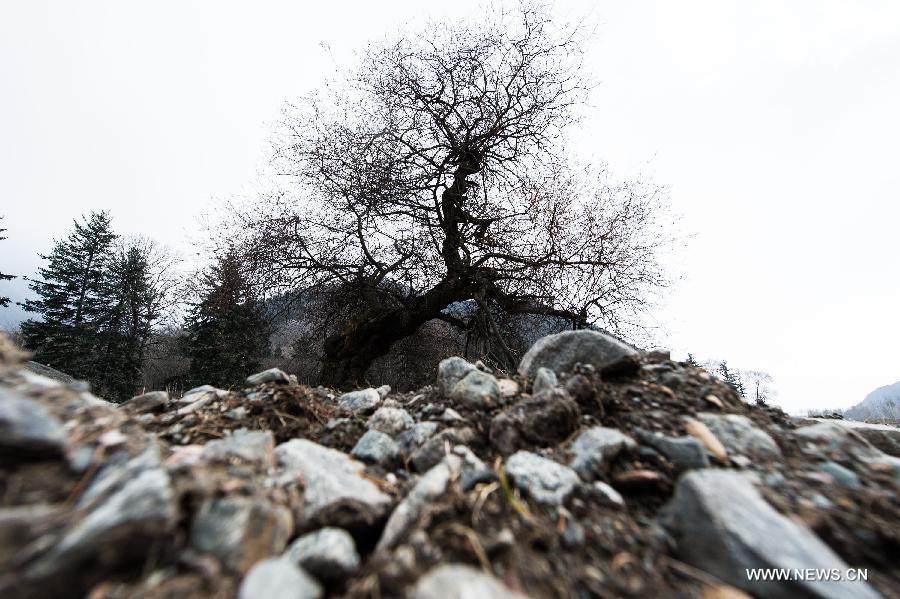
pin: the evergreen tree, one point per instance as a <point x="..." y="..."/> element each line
<point x="134" y="308"/>
<point x="227" y="331"/>
<point x="731" y="377"/>
<point x="73" y="297"/>
<point x="4" y="301"/>
<point x="691" y="360"/>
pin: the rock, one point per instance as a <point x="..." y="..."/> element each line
<point x="544" y="480"/>
<point x="278" y="578"/>
<point x="722" y="525"/>
<point x="272" y="375"/>
<point x="426" y="492"/>
<point x="196" y="399"/>
<point x="685" y="453"/>
<point x="606" y="495"/>
<point x="542" y="420"/>
<point x="147" y="402"/>
<point x="413" y="438"/>
<point x="20" y="526"/>
<point x="119" y="527"/>
<point x="451" y="416"/>
<point x="842" y="475"/>
<point x="375" y="446"/>
<point x="560" y="352"/>
<point x="362" y="401"/>
<point x="580" y="388"/>
<point x="335" y="491"/>
<point x="477" y="390"/>
<point x="739" y="435"/>
<point x="27" y="428"/>
<point x="701" y="432"/>
<point x="241" y="531"/>
<point x="329" y="554"/>
<point x="457" y="581"/>
<point x="638" y="480"/>
<point x="595" y="446"/>
<point x="391" y="421"/>
<point x="508" y="387"/>
<point x="835" y="437"/>
<point x="248" y="446"/>
<point x="450" y="372"/>
<point x="383" y="391"/>
<point x="544" y="380"/>
<point x="433" y="450"/>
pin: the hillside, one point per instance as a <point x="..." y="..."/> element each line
<point x="881" y="404"/>
<point x="595" y="470"/>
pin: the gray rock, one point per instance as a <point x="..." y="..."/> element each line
<point x="458" y="581"/>
<point x="272" y="375"/>
<point x="450" y="372"/>
<point x="20" y="526"/>
<point x="542" y="420"/>
<point x="362" y="401"/>
<point x="560" y="352"/>
<point x="544" y="380"/>
<point x="451" y="416"/>
<point x="27" y="427"/>
<point x="240" y="531"/>
<point x="141" y="510"/>
<point x="739" y="435"/>
<point x="328" y="554"/>
<point x="843" y="476"/>
<point x="595" y="446"/>
<point x="835" y="437"/>
<point x="383" y="391"/>
<point x="476" y="390"/>
<point x="278" y="578"/>
<point x="146" y="402"/>
<point x="248" y="446"/>
<point x="722" y="525"/>
<point x="686" y="453"/>
<point x="336" y="493"/>
<point x="192" y="395"/>
<point x="427" y="490"/>
<point x="433" y="450"/>
<point x="375" y="446"/>
<point x="413" y="438"/>
<point x="606" y="495"/>
<point x="391" y="421"/>
<point x="117" y="471"/>
<point x="544" y="480"/>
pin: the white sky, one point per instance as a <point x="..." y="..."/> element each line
<point x="775" y="123"/>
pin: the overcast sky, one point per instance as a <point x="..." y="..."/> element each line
<point x="775" y="124"/>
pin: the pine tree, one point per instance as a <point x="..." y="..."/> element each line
<point x="134" y="309"/>
<point x="227" y="332"/>
<point x="4" y="301"/>
<point x="72" y="299"/>
<point x="731" y="377"/>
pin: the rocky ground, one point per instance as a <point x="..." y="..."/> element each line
<point x="594" y="471"/>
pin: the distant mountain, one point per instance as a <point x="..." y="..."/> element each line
<point x="882" y="403"/>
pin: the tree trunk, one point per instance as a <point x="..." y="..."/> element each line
<point x="349" y="354"/>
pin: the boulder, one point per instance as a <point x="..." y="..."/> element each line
<point x="335" y="490"/>
<point x="359" y="402"/>
<point x="722" y="525"/>
<point x="596" y="446"/>
<point x="391" y="421"/>
<point x="27" y="428"/>
<point x="272" y="375"/>
<point x="544" y="380"/>
<point x="329" y="554"/>
<point x="740" y="436"/>
<point x="450" y="372"/>
<point x="278" y="578"/>
<point x="241" y="531"/>
<point x="413" y="437"/>
<point x="147" y="402"/>
<point x="376" y="447"/>
<point x="562" y="351"/>
<point x="685" y="453"/>
<point x="433" y="450"/>
<point x="247" y="446"/>
<point x="543" y="480"/>
<point x="476" y="390"/>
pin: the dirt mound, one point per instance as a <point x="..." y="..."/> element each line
<point x="593" y="482"/>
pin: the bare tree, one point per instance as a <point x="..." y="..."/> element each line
<point x="436" y="173"/>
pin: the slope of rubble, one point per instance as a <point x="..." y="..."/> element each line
<point x="595" y="471"/>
